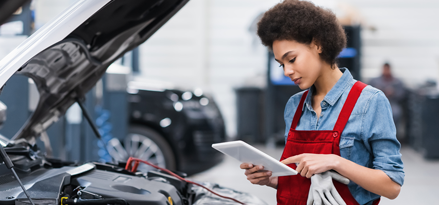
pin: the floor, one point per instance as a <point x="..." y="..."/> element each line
<point x="421" y="184"/>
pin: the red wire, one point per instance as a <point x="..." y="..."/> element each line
<point x="136" y="164"/>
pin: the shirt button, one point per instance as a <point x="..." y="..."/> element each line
<point x="335" y="134"/>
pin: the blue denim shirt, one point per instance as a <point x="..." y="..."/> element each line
<point x="369" y="138"/>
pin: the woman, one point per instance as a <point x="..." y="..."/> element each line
<point x="337" y="123"/>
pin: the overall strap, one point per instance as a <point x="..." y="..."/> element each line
<point x="298" y="113"/>
<point x="348" y="106"/>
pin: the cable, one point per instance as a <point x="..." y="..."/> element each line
<point x="136" y="164"/>
<point x="10" y="166"/>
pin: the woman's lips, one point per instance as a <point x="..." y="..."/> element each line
<point x="296" y="81"/>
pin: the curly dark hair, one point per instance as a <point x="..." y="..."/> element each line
<point x="303" y="22"/>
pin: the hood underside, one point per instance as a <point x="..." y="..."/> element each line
<point x="68" y="69"/>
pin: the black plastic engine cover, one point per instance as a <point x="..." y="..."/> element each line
<point x="134" y="189"/>
<point x="43" y="185"/>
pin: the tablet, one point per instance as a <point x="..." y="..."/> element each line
<point x="248" y="154"/>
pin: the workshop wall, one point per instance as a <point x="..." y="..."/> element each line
<point x="406" y="35"/>
<point x="209" y="45"/>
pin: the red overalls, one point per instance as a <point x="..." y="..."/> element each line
<point x="294" y="189"/>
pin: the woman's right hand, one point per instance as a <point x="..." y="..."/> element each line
<point x="257" y="175"/>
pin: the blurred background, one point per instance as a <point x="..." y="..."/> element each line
<point x="208" y="66"/>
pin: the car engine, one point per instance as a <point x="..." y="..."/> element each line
<point x="53" y="182"/>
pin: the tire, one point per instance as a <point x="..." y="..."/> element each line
<point x="146" y="144"/>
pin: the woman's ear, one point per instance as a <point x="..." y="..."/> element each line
<point x="316" y="45"/>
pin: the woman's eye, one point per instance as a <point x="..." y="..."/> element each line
<point x="292" y="60"/>
<point x="281" y="65"/>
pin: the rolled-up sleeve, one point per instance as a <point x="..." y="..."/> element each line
<point x="379" y="134"/>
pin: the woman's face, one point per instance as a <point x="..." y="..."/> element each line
<point x="301" y="62"/>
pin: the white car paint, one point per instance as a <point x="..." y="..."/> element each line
<point x="45" y="37"/>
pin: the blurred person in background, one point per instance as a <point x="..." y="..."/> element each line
<point x="394" y="90"/>
<point x="336" y="124"/>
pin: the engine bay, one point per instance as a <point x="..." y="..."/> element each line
<point x="55" y="182"/>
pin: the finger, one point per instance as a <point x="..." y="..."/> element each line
<point x="317" y="198"/>
<point x="300" y="167"/>
<point x="257" y="175"/>
<point x="323" y="198"/>
<point x="258" y="180"/>
<point x="338" y="177"/>
<point x="304" y="171"/>
<point x="246" y="166"/>
<point x="269" y="173"/>
<point x="309" y="173"/>
<point x="330" y="197"/>
<point x="292" y="159"/>
<point x="310" y="200"/>
<point x="337" y="197"/>
<point x="254" y="169"/>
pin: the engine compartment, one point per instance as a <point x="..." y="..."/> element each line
<point x="56" y="182"/>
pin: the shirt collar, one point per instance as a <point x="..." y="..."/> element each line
<point x="335" y="93"/>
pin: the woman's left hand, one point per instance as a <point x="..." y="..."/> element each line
<point x="310" y="164"/>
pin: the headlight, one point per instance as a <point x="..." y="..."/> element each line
<point x="204" y="101"/>
<point x="178" y="106"/>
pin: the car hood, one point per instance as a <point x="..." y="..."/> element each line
<point x="66" y="57"/>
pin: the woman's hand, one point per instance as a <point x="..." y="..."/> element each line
<point x="310" y="164"/>
<point x="257" y="175"/>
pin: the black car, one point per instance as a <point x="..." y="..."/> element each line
<point x="181" y="124"/>
<point x="65" y="59"/>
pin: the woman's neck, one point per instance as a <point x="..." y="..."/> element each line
<point x="327" y="79"/>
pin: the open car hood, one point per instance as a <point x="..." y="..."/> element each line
<point x="66" y="57"/>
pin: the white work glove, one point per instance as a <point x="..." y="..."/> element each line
<point x="322" y="190"/>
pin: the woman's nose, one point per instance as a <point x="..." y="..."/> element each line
<point x="288" y="70"/>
